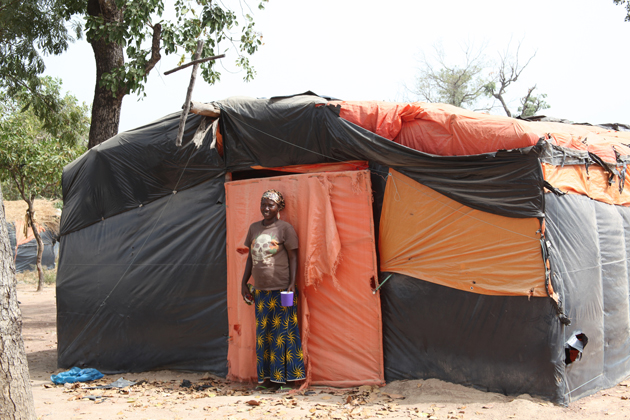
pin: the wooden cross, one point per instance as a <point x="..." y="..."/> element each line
<point x="195" y="63"/>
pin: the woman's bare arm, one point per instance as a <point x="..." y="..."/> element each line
<point x="246" y="275"/>
<point x="293" y="263"/>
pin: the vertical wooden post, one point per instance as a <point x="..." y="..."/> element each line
<point x="193" y="77"/>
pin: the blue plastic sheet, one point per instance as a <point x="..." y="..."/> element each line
<point x="76" y="375"/>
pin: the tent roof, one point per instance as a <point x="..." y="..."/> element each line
<point x="447" y="130"/>
<point x="487" y="162"/>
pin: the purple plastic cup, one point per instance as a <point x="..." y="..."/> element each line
<point x="286" y="298"/>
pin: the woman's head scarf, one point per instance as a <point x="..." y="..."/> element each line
<point x="274" y="196"/>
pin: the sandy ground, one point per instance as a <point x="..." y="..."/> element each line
<point x="184" y="395"/>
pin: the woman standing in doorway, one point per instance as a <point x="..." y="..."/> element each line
<point x="272" y="261"/>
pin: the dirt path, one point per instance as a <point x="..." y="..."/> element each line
<point x="162" y="396"/>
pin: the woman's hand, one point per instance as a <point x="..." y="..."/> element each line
<point x="245" y="293"/>
<point x="246" y="275"/>
<point x="293" y="262"/>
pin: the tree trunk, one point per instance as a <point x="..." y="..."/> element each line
<point x="505" y="107"/>
<point x="40" y="247"/>
<point x="16" y="397"/>
<point x="109" y="56"/>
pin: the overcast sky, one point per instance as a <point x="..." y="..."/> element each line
<point x="369" y="50"/>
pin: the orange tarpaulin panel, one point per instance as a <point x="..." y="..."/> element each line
<point x="20" y="239"/>
<point x="574" y="179"/>
<point x="340" y="316"/>
<point x="19" y="232"/>
<point x="426" y="235"/>
<point x="447" y="130"/>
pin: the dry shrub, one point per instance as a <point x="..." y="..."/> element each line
<point x="31" y="277"/>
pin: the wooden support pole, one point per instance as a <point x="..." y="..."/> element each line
<point x="201" y="60"/>
<point x="193" y="77"/>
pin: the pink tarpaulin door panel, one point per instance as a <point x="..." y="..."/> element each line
<point x="340" y="316"/>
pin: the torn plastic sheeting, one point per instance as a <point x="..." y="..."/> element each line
<point x="575" y="346"/>
<point x="594" y="184"/>
<point x="323" y="246"/>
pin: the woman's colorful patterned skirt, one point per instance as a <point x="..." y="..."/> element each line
<point x="279" y="355"/>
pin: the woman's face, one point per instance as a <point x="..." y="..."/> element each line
<point x="269" y="209"/>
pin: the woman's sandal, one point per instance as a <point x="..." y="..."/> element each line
<point x="283" y="389"/>
<point x="270" y="387"/>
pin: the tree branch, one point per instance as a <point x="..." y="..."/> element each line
<point x="509" y="72"/>
<point x="50" y="107"/>
<point x="155" y="48"/>
<point x="525" y="99"/>
<point x="19" y="186"/>
<point x="505" y="107"/>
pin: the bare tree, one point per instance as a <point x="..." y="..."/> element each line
<point x="16" y="397"/>
<point x="464" y="85"/>
<point x="508" y="71"/>
<point x="456" y="85"/>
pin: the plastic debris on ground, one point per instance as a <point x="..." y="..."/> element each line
<point x="118" y="383"/>
<point x="76" y="375"/>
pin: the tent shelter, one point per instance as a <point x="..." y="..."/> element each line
<point x="25" y="247"/>
<point x="23" y="240"/>
<point x="499" y="247"/>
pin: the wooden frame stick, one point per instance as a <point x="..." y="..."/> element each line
<point x="199" y="61"/>
<point x="193" y="77"/>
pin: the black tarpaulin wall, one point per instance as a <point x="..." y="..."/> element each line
<point x="142" y="271"/>
<point x="502" y="344"/>
<point x="133" y="168"/>
<point x="146" y="288"/>
<point x="590" y="249"/>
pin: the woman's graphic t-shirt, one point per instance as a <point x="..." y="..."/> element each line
<point x="268" y="246"/>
